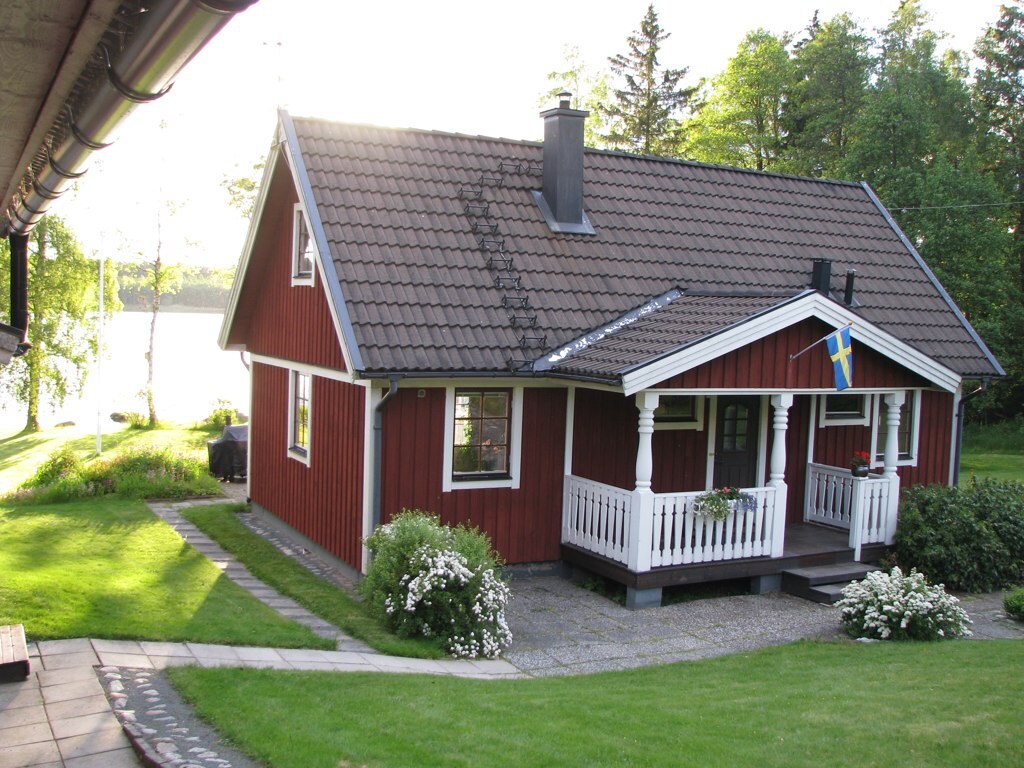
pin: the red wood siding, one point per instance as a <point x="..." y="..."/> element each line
<point x="273" y="317"/>
<point x="765" y="364"/>
<point x="323" y="501"/>
<point x="525" y="523"/>
<point x="835" y="445"/>
<point x="605" y="441"/>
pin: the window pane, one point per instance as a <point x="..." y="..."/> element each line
<point x="481" y="432"/>
<point x="303" y="247"/>
<point x="905" y="429"/>
<point x="844" y="406"/>
<point x="300" y="411"/>
<point x="676" y="408"/>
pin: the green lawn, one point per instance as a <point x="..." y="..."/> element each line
<point x="282" y="573"/>
<point x="997" y="466"/>
<point x="955" y="704"/>
<point x="108" y="568"/>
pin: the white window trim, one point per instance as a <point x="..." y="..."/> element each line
<point x="298" y="215"/>
<point x="515" y="445"/>
<point x="911" y="461"/>
<point x="697" y="424"/>
<point x="302" y="456"/>
<point x="824" y="420"/>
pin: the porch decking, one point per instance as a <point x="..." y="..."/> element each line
<point x="806" y="545"/>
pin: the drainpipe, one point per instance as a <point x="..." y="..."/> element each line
<point x="19" y="284"/>
<point x="960" y="427"/>
<point x="378" y="447"/>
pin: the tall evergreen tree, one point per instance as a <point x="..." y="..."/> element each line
<point x="833" y="70"/>
<point x="63" y="290"/>
<point x="740" y="122"/>
<point x="645" y="113"/>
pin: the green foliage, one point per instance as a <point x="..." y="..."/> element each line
<point x="894" y="606"/>
<point x="63" y="294"/>
<point x="431" y="580"/>
<point x="1013" y="603"/>
<point x="222" y="412"/>
<point x="590" y="91"/>
<point x="143" y="472"/>
<point x="201" y="287"/>
<point x="970" y="538"/>
<point x="644" y="114"/>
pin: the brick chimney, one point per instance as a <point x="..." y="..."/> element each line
<point x="561" y="199"/>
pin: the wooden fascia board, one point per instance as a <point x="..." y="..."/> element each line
<point x="812" y="305"/>
<point x="325" y="263"/>
<point x="247" y="249"/>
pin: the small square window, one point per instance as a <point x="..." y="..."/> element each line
<point x="679" y="412"/>
<point x="302" y="250"/>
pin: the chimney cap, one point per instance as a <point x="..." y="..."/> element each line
<point x="565" y="100"/>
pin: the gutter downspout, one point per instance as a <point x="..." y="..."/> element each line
<point x="960" y="427"/>
<point x="378" y="447"/>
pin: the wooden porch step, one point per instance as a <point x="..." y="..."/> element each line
<point x="823" y="583"/>
<point x="14" y="664"/>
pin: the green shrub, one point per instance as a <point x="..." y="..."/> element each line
<point x="222" y="411"/>
<point x="1013" y="603"/>
<point x="891" y="606"/>
<point x="970" y="538"/>
<point x="430" y="580"/>
<point x="133" y="473"/>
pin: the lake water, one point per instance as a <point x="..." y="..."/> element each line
<point x="190" y="374"/>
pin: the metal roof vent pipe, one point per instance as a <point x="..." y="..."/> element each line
<point x="561" y="199"/>
<point x="821" y="276"/>
<point x="851" y="276"/>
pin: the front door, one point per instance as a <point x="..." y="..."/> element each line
<point x="736" y="442"/>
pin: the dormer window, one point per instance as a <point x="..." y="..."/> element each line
<point x="302" y="249"/>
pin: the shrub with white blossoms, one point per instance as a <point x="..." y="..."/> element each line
<point x="431" y="580"/>
<point x="892" y="606"/>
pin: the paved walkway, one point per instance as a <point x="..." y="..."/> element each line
<point x="64" y="714"/>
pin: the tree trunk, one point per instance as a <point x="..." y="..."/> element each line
<point x="32" y="413"/>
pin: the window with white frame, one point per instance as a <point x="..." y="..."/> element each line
<point x="679" y="412"/>
<point x="906" y="433"/>
<point x="845" y="409"/>
<point x="300" y="399"/>
<point x="482" y="437"/>
<point x="302" y="250"/>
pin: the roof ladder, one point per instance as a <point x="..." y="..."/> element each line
<point x="473" y="193"/>
<point x="477" y="209"/>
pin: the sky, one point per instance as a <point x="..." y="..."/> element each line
<point x="466" y="66"/>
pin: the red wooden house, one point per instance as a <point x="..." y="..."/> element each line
<point x="566" y="347"/>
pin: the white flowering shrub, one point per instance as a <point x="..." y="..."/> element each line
<point x="430" y="580"/>
<point x="894" y="606"/>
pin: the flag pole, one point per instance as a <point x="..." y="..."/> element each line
<point x="816" y="343"/>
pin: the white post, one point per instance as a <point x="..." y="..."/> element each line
<point x="777" y="469"/>
<point x="893" y="403"/>
<point x="641" y="524"/>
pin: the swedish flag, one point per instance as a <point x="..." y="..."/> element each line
<point x="841" y="353"/>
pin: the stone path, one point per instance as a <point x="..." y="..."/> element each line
<point x="64" y="714"/>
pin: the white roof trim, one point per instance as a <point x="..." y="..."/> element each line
<point x="811" y="305"/>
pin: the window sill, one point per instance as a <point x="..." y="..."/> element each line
<point x="300" y="455"/>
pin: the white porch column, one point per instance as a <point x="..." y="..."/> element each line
<point x="641" y="523"/>
<point x="777" y="469"/>
<point x="893" y="403"/>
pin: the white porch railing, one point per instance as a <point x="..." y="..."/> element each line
<point x="866" y="507"/>
<point x="598" y="518"/>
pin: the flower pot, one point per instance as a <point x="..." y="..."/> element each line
<point x="860" y="471"/>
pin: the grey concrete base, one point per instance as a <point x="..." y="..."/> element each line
<point x="761" y="585"/>
<point x="643" y="598"/>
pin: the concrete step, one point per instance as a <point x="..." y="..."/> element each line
<point x="823" y="583"/>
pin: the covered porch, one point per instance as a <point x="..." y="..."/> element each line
<point x="649" y="540"/>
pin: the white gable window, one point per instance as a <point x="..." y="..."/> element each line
<point x="482" y="437"/>
<point x="300" y="398"/>
<point x="302" y="249"/>
<point x="907" y="433"/>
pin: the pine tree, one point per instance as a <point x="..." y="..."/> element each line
<point x="644" y="115"/>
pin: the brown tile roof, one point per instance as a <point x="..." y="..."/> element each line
<point x="421" y="297"/>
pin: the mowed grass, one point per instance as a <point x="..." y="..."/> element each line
<point x="108" y="568"/>
<point x="327" y="601"/>
<point x="809" y="704"/>
<point x="996" y="466"/>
